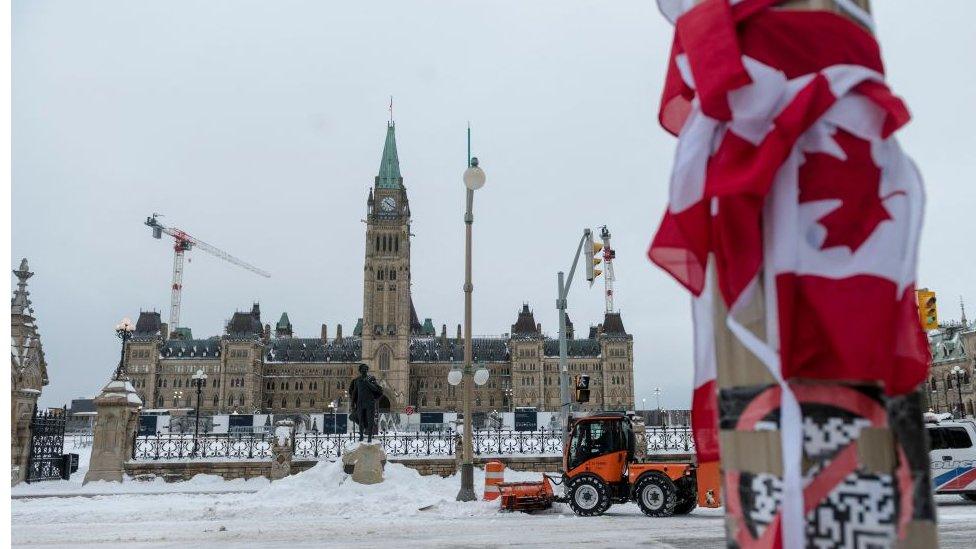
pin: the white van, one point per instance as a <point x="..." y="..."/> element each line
<point x="952" y="445"/>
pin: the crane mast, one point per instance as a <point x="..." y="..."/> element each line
<point x="182" y="243"/>
<point x="608" y="255"/>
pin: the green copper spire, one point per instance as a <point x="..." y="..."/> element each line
<point x="389" y="176"/>
<point x="283" y="322"/>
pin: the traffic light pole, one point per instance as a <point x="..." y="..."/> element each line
<point x="566" y="403"/>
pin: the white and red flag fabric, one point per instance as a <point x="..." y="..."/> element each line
<point x="788" y="181"/>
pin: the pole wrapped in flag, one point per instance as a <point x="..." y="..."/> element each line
<point x="793" y="220"/>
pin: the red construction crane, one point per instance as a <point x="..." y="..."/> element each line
<point x="182" y="244"/>
<point x="608" y="255"/>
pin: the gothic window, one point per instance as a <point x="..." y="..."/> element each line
<point x="215" y="401"/>
<point x="437" y="401"/>
<point x="391" y="329"/>
<point x="379" y="274"/>
<point x="284" y="402"/>
<point x="159" y="401"/>
<point x="384" y="359"/>
<point x="377" y="243"/>
<point x="298" y="402"/>
<point x="311" y="403"/>
<point x="396" y="244"/>
<point x="392" y="274"/>
<point x="378" y="329"/>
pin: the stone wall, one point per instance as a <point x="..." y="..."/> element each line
<point x="173" y="471"/>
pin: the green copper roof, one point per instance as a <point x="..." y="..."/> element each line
<point x="389" y="175"/>
<point x="283" y="322"/>
<point x="358" y="330"/>
<point x="429" y="329"/>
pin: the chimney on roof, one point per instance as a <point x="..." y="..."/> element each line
<point x="325" y="334"/>
<point x="339" y="332"/>
<point x="164" y="331"/>
<point x="459" y="333"/>
<point x="267" y="332"/>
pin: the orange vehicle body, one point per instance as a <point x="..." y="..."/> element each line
<point x="612" y="475"/>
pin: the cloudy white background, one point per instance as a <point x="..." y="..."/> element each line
<point x="258" y="127"/>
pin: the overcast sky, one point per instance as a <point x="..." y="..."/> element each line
<point x="258" y="127"/>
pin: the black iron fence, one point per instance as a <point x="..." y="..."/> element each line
<point x="325" y="446"/>
<point x="46" y="460"/>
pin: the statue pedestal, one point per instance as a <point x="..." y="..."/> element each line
<point x="281" y="450"/>
<point x="367" y="462"/>
<point x="115" y="429"/>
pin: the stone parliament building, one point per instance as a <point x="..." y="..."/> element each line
<point x="253" y="368"/>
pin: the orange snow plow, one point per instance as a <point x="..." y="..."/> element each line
<point x="527" y="496"/>
<point x="600" y="470"/>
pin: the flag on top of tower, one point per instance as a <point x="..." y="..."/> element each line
<point x="789" y="196"/>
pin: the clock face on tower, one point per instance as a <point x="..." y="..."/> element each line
<point x="388" y="204"/>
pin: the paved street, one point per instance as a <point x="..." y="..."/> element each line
<point x="303" y="514"/>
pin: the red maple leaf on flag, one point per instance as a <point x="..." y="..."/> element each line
<point x="855" y="182"/>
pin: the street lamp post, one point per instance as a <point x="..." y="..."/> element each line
<point x="469" y="376"/>
<point x="474" y="179"/>
<point x="198" y="379"/>
<point x="958" y="373"/>
<point x="657" y="396"/>
<point x="334" y="406"/>
<point x="124" y="331"/>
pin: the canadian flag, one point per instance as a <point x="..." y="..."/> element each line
<point x="787" y="182"/>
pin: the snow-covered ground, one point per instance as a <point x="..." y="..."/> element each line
<point x="323" y="507"/>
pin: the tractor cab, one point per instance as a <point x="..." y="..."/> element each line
<point x="598" y="436"/>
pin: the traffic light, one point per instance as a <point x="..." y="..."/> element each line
<point x="582" y="382"/>
<point x="928" y="313"/>
<point x="592" y="257"/>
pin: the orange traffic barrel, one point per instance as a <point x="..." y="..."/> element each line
<point x="494" y="475"/>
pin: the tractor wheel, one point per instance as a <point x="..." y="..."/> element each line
<point x="588" y="496"/>
<point x="686" y="506"/>
<point x="656" y="495"/>
<point x="687" y="499"/>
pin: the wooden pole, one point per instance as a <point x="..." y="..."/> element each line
<point x="885" y="492"/>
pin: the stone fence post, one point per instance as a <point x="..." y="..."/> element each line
<point x="117" y="420"/>
<point x="23" y="405"/>
<point x="282" y="449"/>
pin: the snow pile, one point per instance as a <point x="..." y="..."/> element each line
<point x="403" y="492"/>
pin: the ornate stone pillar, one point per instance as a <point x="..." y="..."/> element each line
<point x="23" y="402"/>
<point x="118" y="408"/>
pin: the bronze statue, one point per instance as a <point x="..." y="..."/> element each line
<point x="363" y="394"/>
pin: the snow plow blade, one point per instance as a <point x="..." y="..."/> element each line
<point x="526" y="496"/>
